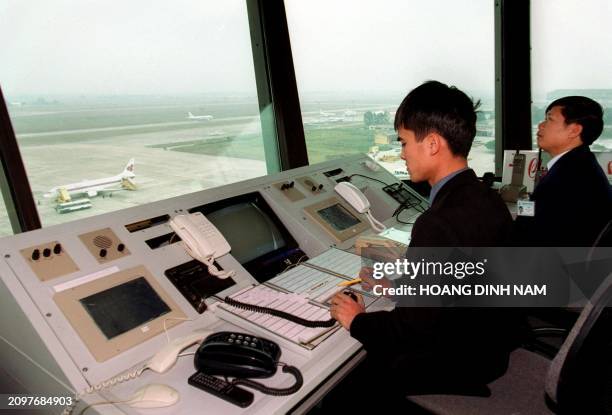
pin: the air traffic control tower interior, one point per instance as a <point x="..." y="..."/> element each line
<point x="244" y="117"/>
<point x="96" y="299"/>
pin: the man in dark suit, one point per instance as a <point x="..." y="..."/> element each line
<point x="438" y="350"/>
<point x="573" y="201"/>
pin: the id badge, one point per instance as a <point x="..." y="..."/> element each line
<point x="525" y="208"/>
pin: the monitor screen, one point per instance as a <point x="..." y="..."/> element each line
<point x="259" y="240"/>
<point x="248" y="229"/>
<point x="126" y="306"/>
<point x="338" y="217"/>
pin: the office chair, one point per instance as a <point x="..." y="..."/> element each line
<point x="546" y="339"/>
<point x="604" y="239"/>
<point x="577" y="381"/>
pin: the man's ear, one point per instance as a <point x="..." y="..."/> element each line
<point x="575" y="131"/>
<point x="434" y="143"/>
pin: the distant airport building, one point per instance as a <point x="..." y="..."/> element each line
<point x="382" y="138"/>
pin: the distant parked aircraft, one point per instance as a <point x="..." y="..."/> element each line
<point x="91" y="188"/>
<point x="327" y="117"/>
<point x="190" y="116"/>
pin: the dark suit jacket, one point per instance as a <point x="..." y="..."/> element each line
<point x="573" y="203"/>
<point x="464" y="213"/>
<point x="446" y="350"/>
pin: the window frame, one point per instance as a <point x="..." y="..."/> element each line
<point x="280" y="114"/>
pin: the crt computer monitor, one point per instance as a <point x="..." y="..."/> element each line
<point x="259" y="240"/>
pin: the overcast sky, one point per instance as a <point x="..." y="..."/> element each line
<point x="200" y="46"/>
<point x="125" y="47"/>
<point x="571" y="42"/>
<point x="388" y="45"/>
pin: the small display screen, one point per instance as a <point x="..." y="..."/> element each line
<point x="338" y="217"/>
<point x="120" y="309"/>
<point x="259" y="239"/>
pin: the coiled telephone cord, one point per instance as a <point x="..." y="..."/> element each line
<point x="102" y="386"/>
<point x="299" y="381"/>
<point x="281" y="314"/>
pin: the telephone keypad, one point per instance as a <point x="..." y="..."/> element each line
<point x="246" y="340"/>
<point x="231" y="354"/>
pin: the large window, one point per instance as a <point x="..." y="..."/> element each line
<point x="569" y="42"/>
<point x="92" y="84"/>
<point x="356" y="60"/>
<point x="5" y="224"/>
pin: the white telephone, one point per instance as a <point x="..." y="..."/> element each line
<point x="202" y="240"/>
<point x="359" y="202"/>
<point x="165" y="358"/>
<point x="353" y="196"/>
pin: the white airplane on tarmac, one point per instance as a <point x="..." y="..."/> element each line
<point x="190" y="116"/>
<point x="91" y="188"/>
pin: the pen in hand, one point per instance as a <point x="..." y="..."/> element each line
<point x="350" y="282"/>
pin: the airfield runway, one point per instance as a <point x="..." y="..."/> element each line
<point x="160" y="173"/>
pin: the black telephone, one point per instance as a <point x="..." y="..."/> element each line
<point x="239" y="355"/>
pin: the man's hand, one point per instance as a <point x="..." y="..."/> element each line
<point x="344" y="308"/>
<point x="368" y="281"/>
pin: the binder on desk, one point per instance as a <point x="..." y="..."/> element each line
<point x="318" y="278"/>
<point x="338" y="262"/>
<point x="303" y="291"/>
<point x="270" y="297"/>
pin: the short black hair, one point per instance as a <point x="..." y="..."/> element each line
<point x="445" y="110"/>
<point x="583" y="111"/>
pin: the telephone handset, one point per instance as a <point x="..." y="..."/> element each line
<point x="239" y="355"/>
<point x="353" y="196"/>
<point x="200" y="237"/>
<point x="202" y="240"/>
<point x="359" y="202"/>
<point x="166" y="357"/>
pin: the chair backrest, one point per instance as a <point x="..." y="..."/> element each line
<point x="580" y="376"/>
<point x="605" y="236"/>
<point x="604" y="239"/>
